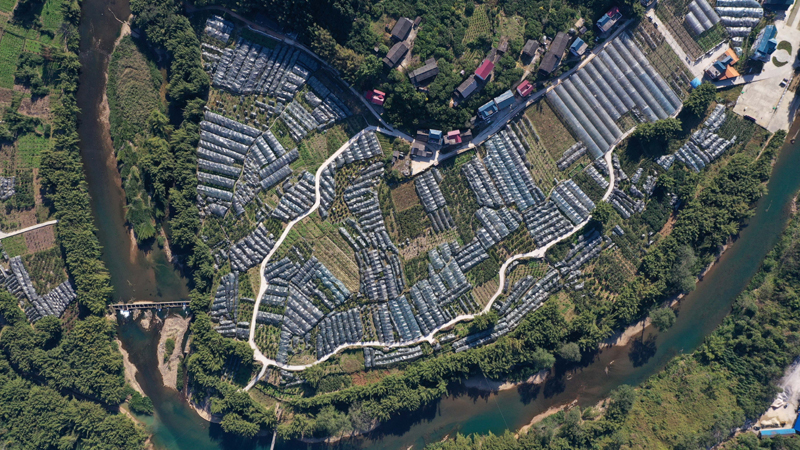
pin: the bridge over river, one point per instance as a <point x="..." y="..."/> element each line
<point x="149" y="305"/>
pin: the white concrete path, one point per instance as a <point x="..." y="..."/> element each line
<point x="4" y="235"/>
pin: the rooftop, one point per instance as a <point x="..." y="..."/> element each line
<point x="552" y="58"/>
<point x="426" y="72"/>
<point x="396" y="54"/>
<point x="401" y="28"/>
<point x="530" y="48"/>
<point x="484" y="70"/>
<point x="466" y="88"/>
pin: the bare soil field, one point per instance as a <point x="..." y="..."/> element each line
<point x="404" y="196"/>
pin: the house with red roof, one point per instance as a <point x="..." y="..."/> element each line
<point x="484" y="70"/>
<point x="525" y="88"/>
<point x="375" y="97"/>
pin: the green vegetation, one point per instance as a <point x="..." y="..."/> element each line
<point x="46" y="269"/>
<point x="778" y="63"/>
<point x="140" y="132"/>
<point x="140" y="405"/>
<point x="697" y="102"/>
<point x="59" y="385"/>
<point x="785" y="45"/>
<point x="169" y="347"/>
<point x="698" y="400"/>
<point x="653" y="137"/>
<point x="412" y="222"/>
<point x="133" y="84"/>
<point x="15" y="245"/>
<point x="663" y="318"/>
<point x="83" y="362"/>
<point x="10" y="49"/>
<point x="30" y="147"/>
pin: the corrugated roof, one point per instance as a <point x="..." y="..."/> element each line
<point x="466" y="88"/>
<point x="401" y="28"/>
<point x="530" y="48"/>
<point x="485" y="69"/>
<point x="426" y="72"/>
<point x="396" y="54"/>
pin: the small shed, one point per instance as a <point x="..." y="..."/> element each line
<point x="529" y="49"/>
<point x="375" y="97"/>
<point x="487" y="110"/>
<point x="453" y="137"/>
<point x="425" y="73"/>
<point x="525" y="88"/>
<point x="578" y="47"/>
<point x="466" y="88"/>
<point x="503" y="47"/>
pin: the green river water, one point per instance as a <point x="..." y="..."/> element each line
<point x="137" y="274"/>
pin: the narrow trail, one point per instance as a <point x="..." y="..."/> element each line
<point x="539" y="253"/>
<point x="4" y="235"/>
<point x="267" y="362"/>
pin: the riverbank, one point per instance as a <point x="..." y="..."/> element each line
<point x="174" y="328"/>
<point x="485" y="384"/>
<point x="130" y="369"/>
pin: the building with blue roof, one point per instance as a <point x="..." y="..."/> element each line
<point x="696" y="83"/>
<point x="435" y="136"/>
<point x="772" y="432"/>
<point x="765" y="44"/>
<point x="504" y="100"/>
<point x="578" y="47"/>
<point x="487" y="110"/>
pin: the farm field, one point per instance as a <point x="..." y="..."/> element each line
<point x="672" y="13"/>
<point x="552" y="133"/>
<point x="478" y="23"/>
<point x="663" y="58"/>
<point x="30" y="148"/>
<point x="404" y="196"/>
<point x="543" y="163"/>
<point x="10" y="48"/>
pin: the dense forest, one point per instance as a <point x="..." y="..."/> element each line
<point x="166" y="28"/>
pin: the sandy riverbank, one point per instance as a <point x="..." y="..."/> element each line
<point x="204" y="410"/>
<point x="174" y="328"/>
<point x="130" y="369"/>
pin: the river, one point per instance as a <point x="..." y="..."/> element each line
<point x="138" y="274"/>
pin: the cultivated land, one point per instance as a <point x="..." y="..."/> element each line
<point x="27" y="231"/>
<point x="361" y="292"/>
<point x="353" y="270"/>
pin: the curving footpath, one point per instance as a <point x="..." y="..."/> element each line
<point x="267" y="362"/>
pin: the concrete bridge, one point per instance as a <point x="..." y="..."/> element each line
<point x="149" y="305"/>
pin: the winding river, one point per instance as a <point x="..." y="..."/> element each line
<point x="138" y="274"/>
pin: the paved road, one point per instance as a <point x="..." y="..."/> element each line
<point x="498" y="122"/>
<point x="267" y="362"/>
<point x="502" y="118"/>
<point x="289" y="40"/>
<point x="4" y="235"/>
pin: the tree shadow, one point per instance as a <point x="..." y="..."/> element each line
<point x="529" y="392"/>
<point x="642" y="350"/>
